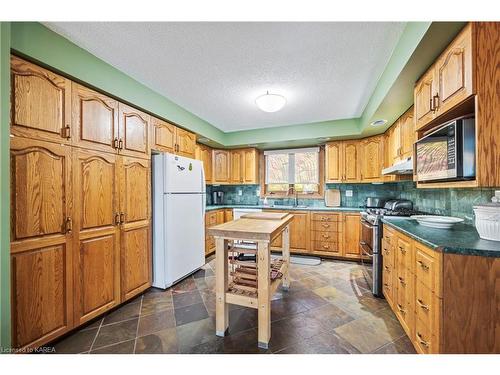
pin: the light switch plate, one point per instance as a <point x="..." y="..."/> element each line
<point x="240" y="192"/>
<point x="348" y="193"/>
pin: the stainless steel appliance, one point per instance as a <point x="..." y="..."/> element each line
<point x="371" y="238"/>
<point x="447" y="153"/>
<point x="217" y="197"/>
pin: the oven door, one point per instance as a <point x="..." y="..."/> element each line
<point x="367" y="242"/>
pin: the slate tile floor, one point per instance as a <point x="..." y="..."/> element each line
<point x="328" y="309"/>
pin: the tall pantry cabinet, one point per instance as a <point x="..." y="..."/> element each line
<point x="80" y="197"/>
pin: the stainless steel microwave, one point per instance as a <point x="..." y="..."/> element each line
<point x="447" y="153"/>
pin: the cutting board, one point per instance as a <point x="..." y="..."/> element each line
<point x="332" y="198"/>
<point x="265" y="215"/>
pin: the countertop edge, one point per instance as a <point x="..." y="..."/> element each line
<point x="328" y="209"/>
<point x="444" y="248"/>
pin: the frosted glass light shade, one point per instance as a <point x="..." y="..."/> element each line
<point x="270" y="102"/>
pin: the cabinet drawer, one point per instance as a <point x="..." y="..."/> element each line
<point x="325" y="217"/>
<point x="423" y="338"/>
<point x="389" y="235"/>
<point x="211" y="219"/>
<point x="387" y="254"/>
<point x="425" y="269"/>
<point x="403" y="254"/>
<point x="325" y="226"/>
<point x="387" y="283"/>
<point x="325" y="236"/>
<point x="425" y="309"/>
<point x="325" y="246"/>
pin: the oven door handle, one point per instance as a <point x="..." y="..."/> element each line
<point x="365" y="246"/>
<point x="367" y="225"/>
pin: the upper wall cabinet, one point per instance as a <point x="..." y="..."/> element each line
<point x="166" y="137"/>
<point x="162" y="135"/>
<point x="372" y="158"/>
<point x="343" y="161"/>
<point x="244" y="166"/>
<point x="95" y="120"/>
<point x="448" y="82"/>
<point x="133" y="132"/>
<point x="204" y="154"/>
<point x="221" y="166"/>
<point x="40" y="103"/>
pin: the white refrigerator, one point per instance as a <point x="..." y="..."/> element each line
<point x="178" y="218"/>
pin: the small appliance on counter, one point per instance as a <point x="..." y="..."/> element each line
<point x="217" y="197"/>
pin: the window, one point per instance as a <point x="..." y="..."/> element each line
<point x="295" y="170"/>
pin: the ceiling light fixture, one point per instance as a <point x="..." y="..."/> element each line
<point x="270" y="102"/>
<point x="379" y="122"/>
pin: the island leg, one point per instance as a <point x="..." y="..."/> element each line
<point x="286" y="256"/>
<point x="221" y="285"/>
<point x="263" y="298"/>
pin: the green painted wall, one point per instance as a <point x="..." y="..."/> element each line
<point x="4" y="186"/>
<point x="34" y="40"/>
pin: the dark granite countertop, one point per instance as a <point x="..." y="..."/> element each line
<point x="286" y="208"/>
<point x="461" y="239"/>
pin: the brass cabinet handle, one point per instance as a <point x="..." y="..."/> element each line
<point x="401" y="280"/>
<point x="435" y="106"/>
<point x="422" y="305"/>
<point x="431" y="106"/>
<point x="66" y="132"/>
<point x="326" y="236"/>
<point x="325" y="225"/>
<point x="421" y="340"/>
<point x="120" y="144"/>
<point x="117" y="218"/>
<point x="423" y="265"/>
<point x="386" y="285"/>
<point x="115" y="143"/>
<point x="122" y="217"/>
<point x="387" y="268"/>
<point x="402" y="249"/>
<point x="69" y="225"/>
<point x="401" y="310"/>
<point x="326" y="246"/>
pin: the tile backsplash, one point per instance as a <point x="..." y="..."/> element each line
<point x="451" y="202"/>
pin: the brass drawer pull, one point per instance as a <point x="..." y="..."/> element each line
<point x="386" y="268"/>
<point x="326" y="246"/>
<point x="69" y="225"/>
<point x="115" y="143"/>
<point x="421" y="340"/>
<point x="402" y="249"/>
<point x="325" y="225"/>
<point x="423" y="265"/>
<point x="401" y="280"/>
<point x="122" y="217"/>
<point x="326" y="236"/>
<point x="401" y="310"/>
<point x="386" y="285"/>
<point x="117" y="218"/>
<point x="422" y="304"/>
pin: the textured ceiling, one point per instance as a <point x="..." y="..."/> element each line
<point x="327" y="71"/>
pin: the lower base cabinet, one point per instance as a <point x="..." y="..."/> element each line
<point x="212" y="218"/>
<point x="446" y="303"/>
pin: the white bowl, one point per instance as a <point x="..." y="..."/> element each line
<point x="441" y="222"/>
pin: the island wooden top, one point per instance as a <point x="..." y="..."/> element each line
<point x="250" y="229"/>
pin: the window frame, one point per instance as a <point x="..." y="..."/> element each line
<point x="321" y="183"/>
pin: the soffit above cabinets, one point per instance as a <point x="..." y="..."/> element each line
<point x="326" y="71"/>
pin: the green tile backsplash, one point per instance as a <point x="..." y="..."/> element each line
<point x="451" y="202"/>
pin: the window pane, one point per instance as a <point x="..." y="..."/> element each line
<point x="276" y="188"/>
<point x="277" y="169"/>
<point x="306" y="168"/>
<point x="306" y="188"/>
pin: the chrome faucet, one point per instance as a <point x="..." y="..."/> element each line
<point x="296" y="196"/>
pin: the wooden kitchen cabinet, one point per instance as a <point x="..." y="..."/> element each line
<point x="96" y="238"/>
<point x="228" y="215"/>
<point x="221" y="166"/>
<point x="448" y="82"/>
<point x="133" y="132"/>
<point x="41" y="242"/>
<point x="204" y="154"/>
<point x="407" y="134"/>
<point x="186" y="142"/>
<point x="40" y="103"/>
<point x="94" y="120"/>
<point x="343" y="161"/>
<point x="372" y="159"/>
<point x="299" y="232"/>
<point x="351" y="235"/>
<point x="244" y="166"/>
<point x="237" y="165"/>
<point x="327" y="234"/>
<point x="135" y="217"/>
<point x="162" y="135"/>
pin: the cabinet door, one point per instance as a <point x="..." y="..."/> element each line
<point x="221" y="166"/>
<point x="135" y="259"/>
<point x="41" y="255"/>
<point x="395" y="142"/>
<point x="236" y="167"/>
<point x="133" y="132"/>
<point x="95" y="120"/>
<point x="228" y="215"/>
<point x="454" y="72"/>
<point x="351" y="235"/>
<point x="334" y="166"/>
<point x="40" y="103"/>
<point x="162" y="135"/>
<point x="96" y="234"/>
<point x="299" y="231"/>
<point x="206" y="157"/>
<point x="350" y="150"/>
<point x="185" y="143"/>
<point x="251" y="166"/>
<point x="135" y="238"/>
<point x="407" y="134"/>
<point x="423" y="95"/>
<point x="372" y="159"/>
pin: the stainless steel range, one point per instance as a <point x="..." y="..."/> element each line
<point x="371" y="235"/>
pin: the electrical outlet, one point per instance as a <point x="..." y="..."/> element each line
<point x="348" y="193"/>
<point x="240" y="192"/>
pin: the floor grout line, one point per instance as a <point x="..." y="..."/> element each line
<point x="97" y="334"/>
<point x="138" y="322"/>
